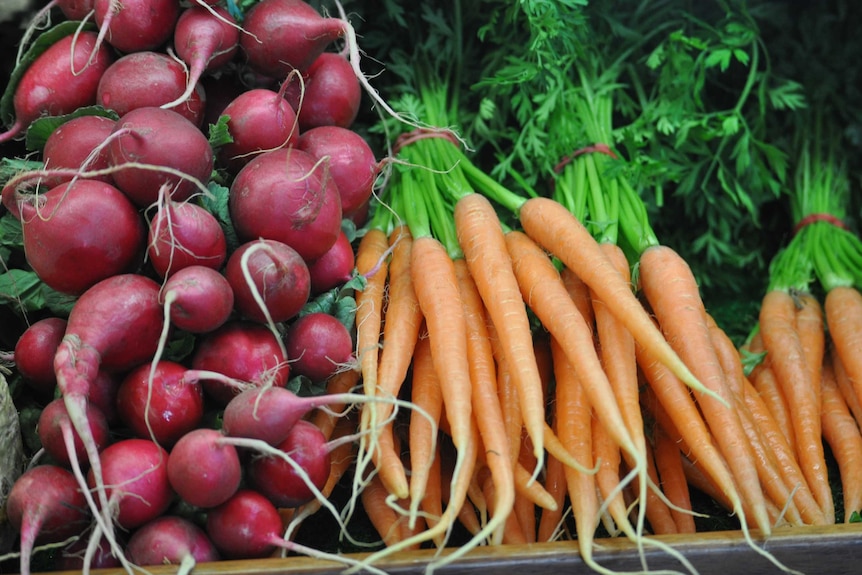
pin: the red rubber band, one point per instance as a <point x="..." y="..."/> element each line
<point x="821" y="217"/>
<point x="595" y="148"/>
<point x="422" y="133"/>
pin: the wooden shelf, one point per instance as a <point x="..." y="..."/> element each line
<point x="831" y="550"/>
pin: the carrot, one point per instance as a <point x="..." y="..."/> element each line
<point x="845" y="385"/>
<point x="400" y="333"/>
<point x="673" y="293"/>
<point x="668" y="461"/>
<point x="782" y="343"/>
<point x="555" y="484"/>
<point x="812" y="335"/>
<point x="513" y="533"/>
<point x="481" y="237"/>
<point x="544" y="292"/>
<point x="422" y="431"/>
<point x="776" y="486"/>
<point x="483" y="374"/>
<point x="843" y="308"/>
<point x="841" y="432"/>
<point x="557" y="230"/>
<point x="607" y="454"/>
<point x="388" y="523"/>
<point x="662" y="520"/>
<point x="371" y="262"/>
<point x="763" y="379"/>
<point x="580" y="294"/>
<point x="572" y="416"/>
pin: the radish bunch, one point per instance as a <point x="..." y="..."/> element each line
<point x="202" y="242"/>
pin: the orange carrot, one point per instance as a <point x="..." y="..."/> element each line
<point x="572" y="417"/>
<point x="843" y="308"/>
<point x="557" y="230"/>
<point x="341" y="382"/>
<point x="544" y="292"/>
<point x="845" y="385"/>
<point x="841" y="432"/>
<point x="661" y="519"/>
<point x="400" y="332"/>
<point x="426" y="395"/>
<point x="482" y="240"/>
<point x="763" y="379"/>
<point x="668" y="461"/>
<point x="483" y="374"/>
<point x="672" y="291"/>
<point x="782" y="343"/>
<point x="388" y="523"/>
<point x="513" y="533"/>
<point x="555" y="484"/>
<point x="607" y="453"/>
<point x="371" y="262"/>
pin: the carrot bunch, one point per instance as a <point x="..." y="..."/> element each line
<point x="808" y="335"/>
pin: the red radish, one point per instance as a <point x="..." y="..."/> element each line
<point x="260" y="120"/>
<point x="34" y="353"/>
<point x="115" y="325"/>
<point x="286" y="484"/>
<point x="200" y="299"/>
<point x="318" y="345"/>
<point x="269" y="413"/>
<point x="136" y="478"/>
<point x="79" y="233"/>
<point x="78" y="143"/>
<point x="59" y="81"/>
<point x="286" y="35"/>
<point x="245" y="351"/>
<point x="170" y="540"/>
<point x="202" y="470"/>
<point x="75" y="9"/>
<point x="45" y="505"/>
<point x="330" y="94"/>
<point x="273" y="272"/>
<point x="165" y="139"/>
<point x="288" y="196"/>
<point x="103" y="394"/>
<point x="333" y="268"/>
<point x="205" y="39"/>
<point x="136" y="25"/>
<point x="149" y="79"/>
<point x="50" y="429"/>
<point x="183" y="234"/>
<point x="351" y="162"/>
<point x="160" y="402"/>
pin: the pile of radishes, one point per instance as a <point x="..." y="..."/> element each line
<point x="167" y="234"/>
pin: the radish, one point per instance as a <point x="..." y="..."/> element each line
<point x="286" y="35"/>
<point x="79" y="233"/>
<point x="78" y="143"/>
<point x="269" y="413"/>
<point x="136" y="478"/>
<point x="75" y="9"/>
<point x="242" y="350"/>
<point x="34" y="353"/>
<point x="200" y="299"/>
<point x="170" y="540"/>
<point x="318" y="345"/>
<point x="288" y="196"/>
<point x="329" y="96"/>
<point x="149" y="79"/>
<point x="270" y="280"/>
<point x="351" y="162"/>
<point x="52" y="420"/>
<point x="59" y="81"/>
<point x="183" y="234"/>
<point x="249" y="526"/>
<point x="284" y="484"/>
<point x="45" y="505"/>
<point x="136" y="25"/>
<point x="334" y="268"/>
<point x="203" y="470"/>
<point x="260" y="120"/>
<point x="163" y="139"/>
<point x="160" y="402"/>
<point x="205" y="39"/>
<point x="103" y="394"/>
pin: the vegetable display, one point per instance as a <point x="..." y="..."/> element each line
<point x="514" y="277"/>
